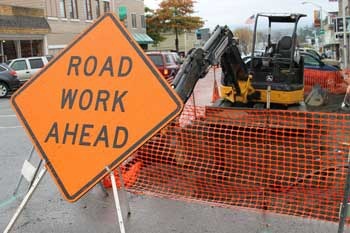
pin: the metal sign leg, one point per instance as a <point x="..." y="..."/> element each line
<point x="21" y="178"/>
<point x="345" y="204"/>
<point x="124" y="191"/>
<point x="25" y="200"/>
<point x="35" y="174"/>
<point x="117" y="203"/>
<point x="103" y="189"/>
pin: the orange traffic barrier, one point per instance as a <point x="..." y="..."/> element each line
<point x="254" y="159"/>
<point x="129" y="176"/>
<point x="215" y="96"/>
<point x="332" y="81"/>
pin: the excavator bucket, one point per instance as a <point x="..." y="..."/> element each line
<point x="317" y="97"/>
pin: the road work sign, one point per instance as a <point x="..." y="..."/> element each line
<point x="94" y="105"/>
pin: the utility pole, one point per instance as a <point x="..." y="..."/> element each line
<point x="345" y="38"/>
<point x="176" y="30"/>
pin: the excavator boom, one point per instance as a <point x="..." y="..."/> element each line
<point x="198" y="62"/>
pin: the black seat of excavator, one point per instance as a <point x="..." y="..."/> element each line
<point x="284" y="47"/>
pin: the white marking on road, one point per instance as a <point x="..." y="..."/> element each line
<point x="6" y="109"/>
<point x="11" y="127"/>
<point x="3" y="116"/>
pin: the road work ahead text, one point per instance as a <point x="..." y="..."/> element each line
<point x="85" y="100"/>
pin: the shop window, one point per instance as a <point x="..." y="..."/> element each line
<point x="97" y="8"/>
<point x="19" y="65"/>
<point x="143" y="21"/>
<point x="133" y="21"/>
<point x="10" y="51"/>
<point x="88" y="9"/>
<point x="106" y="6"/>
<point x="73" y="11"/>
<point x="26" y="48"/>
<point x="62" y="9"/>
<point x="37" y="47"/>
<point x="36" y="63"/>
<point x="31" y="48"/>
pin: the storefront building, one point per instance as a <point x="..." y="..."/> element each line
<point x="23" y="32"/>
<point x="64" y="20"/>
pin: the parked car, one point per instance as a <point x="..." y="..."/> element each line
<point x="310" y="62"/>
<point x="327" y="61"/>
<point x="8" y="80"/>
<point x="165" y="64"/>
<point x="313" y="62"/>
<point x="28" y="66"/>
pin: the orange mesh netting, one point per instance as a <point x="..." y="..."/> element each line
<point x="332" y="81"/>
<point x="284" y="162"/>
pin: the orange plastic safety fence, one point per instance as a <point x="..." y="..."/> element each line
<point x="129" y="176"/>
<point x="332" y="81"/>
<point x="284" y="162"/>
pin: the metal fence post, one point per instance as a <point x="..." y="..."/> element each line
<point x="344" y="205"/>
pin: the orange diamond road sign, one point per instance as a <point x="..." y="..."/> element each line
<point x="93" y="105"/>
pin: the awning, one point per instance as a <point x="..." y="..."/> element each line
<point x="23" y="24"/>
<point x="142" y="38"/>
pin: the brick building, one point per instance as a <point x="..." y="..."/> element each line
<point x="68" y="18"/>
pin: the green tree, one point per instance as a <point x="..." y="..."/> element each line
<point x="176" y="16"/>
<point x="153" y="28"/>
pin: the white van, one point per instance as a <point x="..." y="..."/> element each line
<point x="26" y="67"/>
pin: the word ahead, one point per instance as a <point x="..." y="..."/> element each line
<point x="80" y="134"/>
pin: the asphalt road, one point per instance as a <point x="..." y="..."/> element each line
<point x="48" y="212"/>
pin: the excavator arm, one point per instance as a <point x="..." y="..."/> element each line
<point x="221" y="48"/>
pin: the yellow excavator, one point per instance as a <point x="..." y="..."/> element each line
<point x="273" y="79"/>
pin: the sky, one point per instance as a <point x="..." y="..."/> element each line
<point x="235" y="12"/>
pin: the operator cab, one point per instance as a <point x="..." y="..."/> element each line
<point x="280" y="66"/>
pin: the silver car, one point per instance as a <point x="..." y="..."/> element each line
<point x="28" y="66"/>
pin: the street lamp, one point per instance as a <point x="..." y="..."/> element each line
<point x="345" y="37"/>
<point x="316" y="5"/>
